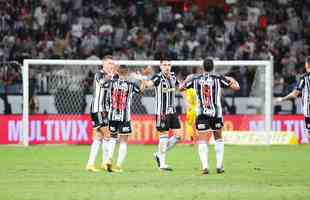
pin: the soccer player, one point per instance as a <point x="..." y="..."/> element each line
<point x="121" y="91"/>
<point x="208" y="88"/>
<point x="302" y="88"/>
<point x="99" y="115"/>
<point x="165" y="84"/>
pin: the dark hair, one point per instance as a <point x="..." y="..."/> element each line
<point x="308" y="60"/>
<point x="208" y="65"/>
<point x="164" y="57"/>
<point x="123" y="70"/>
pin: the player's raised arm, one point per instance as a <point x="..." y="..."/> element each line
<point x="184" y="84"/>
<point x="294" y="94"/>
<point x="234" y="85"/>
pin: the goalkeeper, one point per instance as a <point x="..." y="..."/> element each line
<point x="191" y="100"/>
<point x="191" y="112"/>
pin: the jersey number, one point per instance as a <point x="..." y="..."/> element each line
<point x="206" y="94"/>
<point x="119" y="99"/>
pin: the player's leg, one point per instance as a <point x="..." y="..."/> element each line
<point x="95" y="146"/>
<point x="202" y="125"/>
<point x="122" y="152"/>
<point x="113" y="128"/>
<point x="190" y="119"/>
<point x="217" y="125"/>
<point x="105" y="146"/>
<point x="160" y="155"/>
<point x="124" y="133"/>
<point x="174" y="125"/>
<point x="203" y="151"/>
<point x="162" y="129"/>
<point x="306" y="133"/>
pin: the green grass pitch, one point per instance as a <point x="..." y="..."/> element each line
<point x="252" y="172"/>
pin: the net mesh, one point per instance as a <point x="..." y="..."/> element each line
<point x="70" y="88"/>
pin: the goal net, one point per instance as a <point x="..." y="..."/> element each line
<point x="57" y="97"/>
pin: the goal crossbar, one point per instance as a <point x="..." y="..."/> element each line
<point x="189" y="63"/>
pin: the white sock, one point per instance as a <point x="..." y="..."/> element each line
<point x="122" y="152"/>
<point x="305" y="137"/>
<point x="93" y="152"/>
<point x="219" y="152"/>
<point x="203" y="154"/>
<point x="162" y="149"/>
<point x="172" y="142"/>
<point x="105" y="151"/>
<point x="112" y="143"/>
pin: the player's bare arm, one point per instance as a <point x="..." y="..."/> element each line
<point x="234" y="84"/>
<point x="294" y="94"/>
<point x="182" y="85"/>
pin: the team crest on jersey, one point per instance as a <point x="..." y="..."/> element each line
<point x="218" y="125"/>
<point x="112" y="128"/>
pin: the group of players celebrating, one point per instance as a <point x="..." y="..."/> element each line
<point x="111" y="107"/>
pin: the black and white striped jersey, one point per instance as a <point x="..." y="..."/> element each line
<point x="303" y="86"/>
<point x="120" y="96"/>
<point x="208" y="93"/>
<point x="165" y="88"/>
<point x="100" y="95"/>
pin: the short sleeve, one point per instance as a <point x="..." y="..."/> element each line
<point x="156" y="79"/>
<point x="301" y="84"/>
<point x="136" y="88"/>
<point x="225" y="82"/>
<point x="100" y="79"/>
<point x="106" y="84"/>
<point x="189" y="84"/>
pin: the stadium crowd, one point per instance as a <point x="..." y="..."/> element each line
<point x="142" y="29"/>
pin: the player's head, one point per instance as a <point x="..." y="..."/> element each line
<point x="307" y="64"/>
<point x="165" y="66"/>
<point x="123" y="70"/>
<point x="208" y="65"/>
<point x="108" y="63"/>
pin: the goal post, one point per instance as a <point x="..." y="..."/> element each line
<point x="266" y="64"/>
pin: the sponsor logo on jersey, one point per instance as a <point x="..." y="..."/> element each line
<point x="201" y="126"/>
<point x="126" y="129"/>
<point x="218" y="125"/>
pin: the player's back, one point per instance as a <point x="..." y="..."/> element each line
<point x="208" y="89"/>
<point x="121" y="92"/>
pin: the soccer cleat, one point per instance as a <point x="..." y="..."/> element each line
<point x="109" y="165"/>
<point x="220" y="170"/>
<point x="157" y="159"/>
<point x="92" y="168"/>
<point x="168" y="169"/>
<point x="104" y="167"/>
<point x="165" y="168"/>
<point x="205" y="171"/>
<point x="117" y="169"/>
